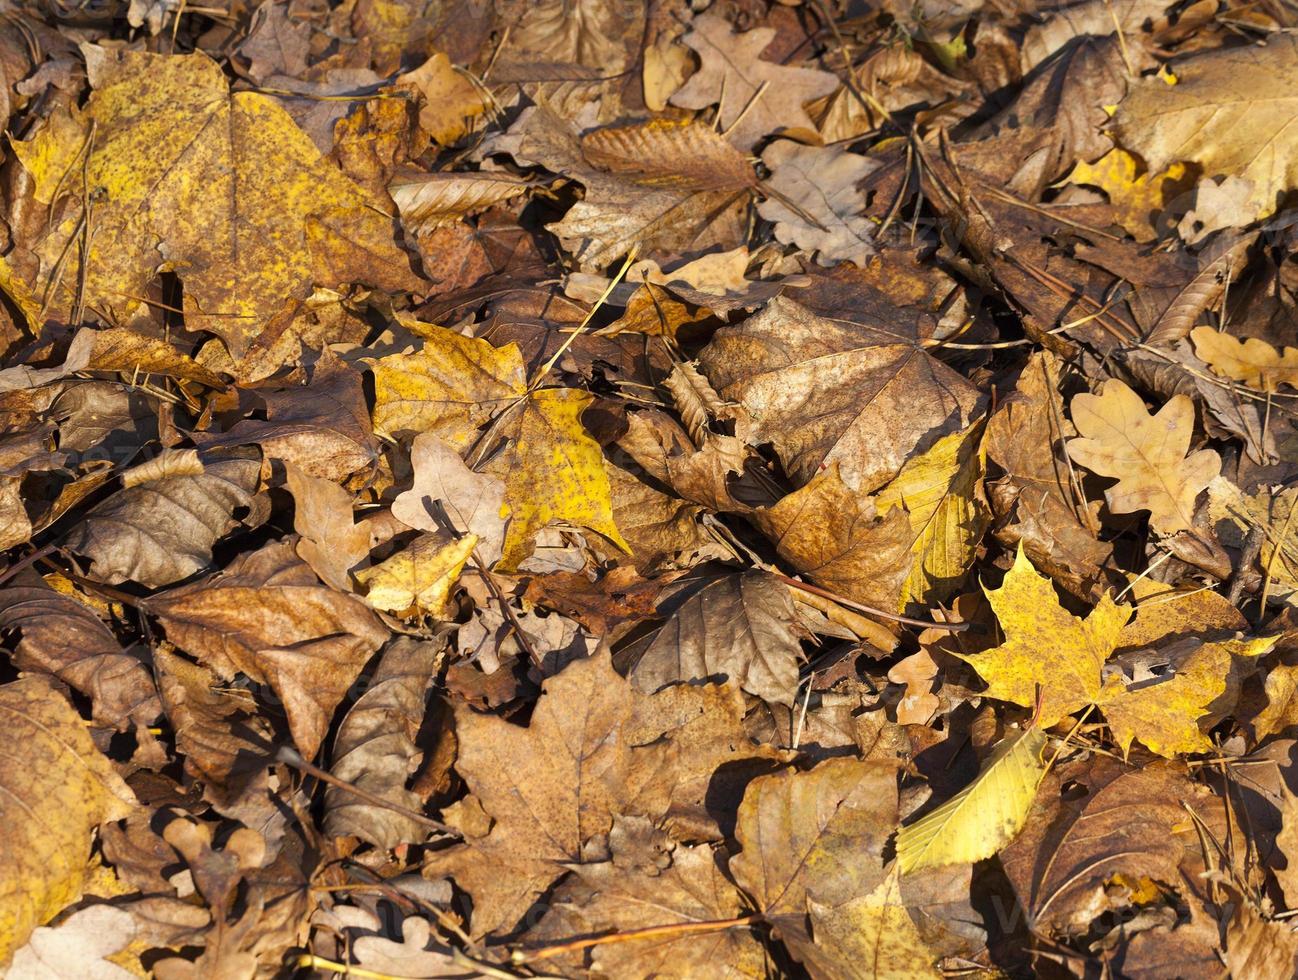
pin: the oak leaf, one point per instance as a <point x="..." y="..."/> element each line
<point x="222" y="188"/>
<point x="816" y="204"/>
<point x="1250" y="360"/>
<point x="60" y="787"/>
<point x="552" y="470"/>
<point x="753" y="97"/>
<point x="1146" y="454"/>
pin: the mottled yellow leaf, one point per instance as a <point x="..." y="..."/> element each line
<point x="1146" y="454"/>
<point x="1046" y="648"/>
<point x="985" y="815"/>
<point x="1137" y="196"/>
<point x="56" y="787"/>
<point x="419" y="576"/>
<point x="941" y="491"/>
<point x="1252" y="361"/>
<point x="460" y="388"/>
<point x="221" y="187"/>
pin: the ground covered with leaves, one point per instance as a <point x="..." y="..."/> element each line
<point x="667" y="489"/>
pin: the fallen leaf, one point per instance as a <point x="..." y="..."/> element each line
<point x="1146" y="454"/>
<point x="79" y="946"/>
<point x="984" y="816"/>
<point x="1228" y="112"/>
<point x="754" y="98"/>
<point x="1254" y="362"/>
<point x="245" y="235"/>
<point x="814" y="202"/>
<point x="420" y="576"/>
<point x="741" y="628"/>
<point x="62" y="788"/>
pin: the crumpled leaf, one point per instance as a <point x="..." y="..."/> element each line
<point x="1146" y="454"/>
<point x="740" y="628"/>
<point x="420" y="576"/>
<point x="552" y="470"/>
<point x="246" y="237"/>
<point x="731" y="74"/>
<point x="985" y="815"/>
<point x="825" y="391"/>
<point x="1229" y="112"/>
<point x="268" y="616"/>
<point x="60" y="787"/>
<point x="822" y="183"/>
<point x="375" y="748"/>
<point x="161" y="528"/>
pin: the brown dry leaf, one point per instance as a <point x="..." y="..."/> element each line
<point x="242" y="207"/>
<point x="816" y="835"/>
<point x="160" y="530"/>
<point x="330" y="541"/>
<point x="58" y="635"/>
<point x="447" y="495"/>
<point x="375" y="750"/>
<point x="1254" y="362"/>
<point x="1229" y="112"/>
<point x="742" y="628"/>
<point x="130" y="353"/>
<point x="552" y="470"/>
<point x="680" y="153"/>
<point x="821" y="182"/>
<point x="450" y="102"/>
<point x="754" y="98"/>
<point x="1036" y="503"/>
<point x="1217" y="207"/>
<point x="60" y="787"/>
<point x="661" y="883"/>
<point x="1256" y="947"/>
<point x="80" y="946"/>
<point x="825" y="391"/>
<point x="266" y="615"/>
<point x="431" y="201"/>
<point x="1146" y="454"/>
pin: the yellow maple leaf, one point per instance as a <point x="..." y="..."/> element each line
<point x="1252" y="361"/>
<point x="223" y="188"/>
<point x="458" y="386"/>
<point x="1136" y="195"/>
<point x="1145" y="454"/>
<point x="1060" y="657"/>
<point x="419" y="576"/>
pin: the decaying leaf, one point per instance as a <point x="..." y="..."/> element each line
<point x="815" y="203"/>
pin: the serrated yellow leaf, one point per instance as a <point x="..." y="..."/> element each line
<point x="1252" y="361"/>
<point x="1062" y="656"/>
<point x="941" y="491"/>
<point x="419" y="576"/>
<point x="985" y="815"/>
<point x="460" y="387"/>
<point x="1137" y="197"/>
<point x="1047" y="649"/>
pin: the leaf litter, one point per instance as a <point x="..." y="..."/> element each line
<point x="617" y="489"/>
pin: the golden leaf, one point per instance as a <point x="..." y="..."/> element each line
<point x="221" y="187"/>
<point x="57" y="789"/>
<point x="1146" y="454"/>
<point x="985" y="815"/>
<point x="1136" y="197"/>
<point x="553" y="471"/>
<point x="419" y="576"/>
<point x="1252" y="361"/>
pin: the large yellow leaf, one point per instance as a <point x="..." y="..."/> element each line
<point x="457" y="386"/>
<point x="985" y="815"/>
<point x="56" y="787"/>
<point x="1231" y="111"/>
<point x="1252" y="361"/>
<point x="1056" y="656"/>
<point x="223" y="188"/>
<point x="1146" y="454"/>
<point x="941" y="491"/>
<point x="1136" y="197"/>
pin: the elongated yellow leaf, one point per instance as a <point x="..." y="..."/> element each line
<point x="985" y="815"/>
